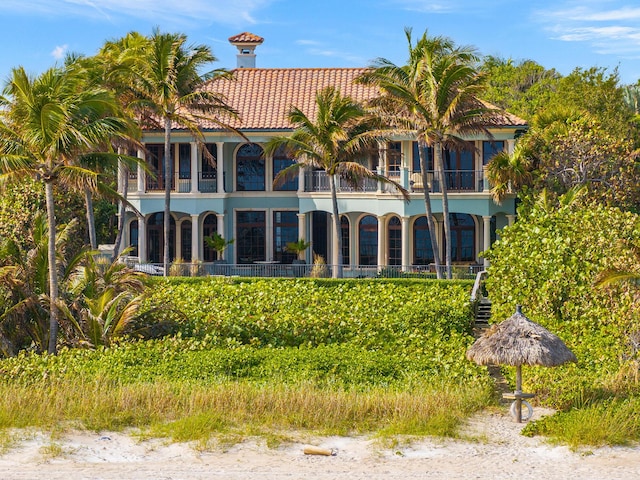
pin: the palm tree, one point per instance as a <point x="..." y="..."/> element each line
<point x="341" y="131"/>
<point x="436" y="98"/>
<point x="167" y="89"/>
<point x="47" y="122"/>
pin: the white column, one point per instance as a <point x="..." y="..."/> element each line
<point x="221" y="231"/>
<point x="301" y="179"/>
<point x="194" y="167"/>
<point x="220" y="167"/>
<point x="486" y="241"/>
<point x="141" y="173"/>
<point x="142" y="238"/>
<point x="511" y="219"/>
<point x="406" y="259"/>
<point x="195" y="239"/>
<point x="382" y="251"/>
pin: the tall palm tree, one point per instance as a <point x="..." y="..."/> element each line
<point x="46" y="123"/>
<point x="436" y="98"/>
<point x="341" y="131"/>
<point x="167" y="89"/>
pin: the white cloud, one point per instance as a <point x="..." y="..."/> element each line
<point x="59" y="52"/>
<point x="236" y="12"/>
<point x="606" y="30"/>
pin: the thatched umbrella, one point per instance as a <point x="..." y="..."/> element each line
<point x="518" y="341"/>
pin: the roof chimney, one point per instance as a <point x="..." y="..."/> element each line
<point x="246" y="43"/>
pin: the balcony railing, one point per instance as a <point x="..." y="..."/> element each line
<point x="456" y="181"/>
<point x="207" y="182"/>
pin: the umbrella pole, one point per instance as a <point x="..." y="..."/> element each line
<point x="518" y="392"/>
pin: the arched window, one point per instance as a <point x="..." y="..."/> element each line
<point x="209" y="227"/>
<point x="344" y="231"/>
<point x="281" y="161"/>
<point x="250" y="168"/>
<point x="395" y="241"/>
<point x="155" y="238"/>
<point x="133" y="237"/>
<point x="422" y="251"/>
<point x="462" y="237"/>
<point x="368" y="233"/>
<point x="185" y="234"/>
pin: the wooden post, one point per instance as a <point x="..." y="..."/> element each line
<point x="518" y="393"/>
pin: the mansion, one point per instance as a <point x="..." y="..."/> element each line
<point x="237" y="197"/>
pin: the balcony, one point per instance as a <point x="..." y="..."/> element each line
<point x="207" y="183"/>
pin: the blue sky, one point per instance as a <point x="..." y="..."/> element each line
<point x="560" y="34"/>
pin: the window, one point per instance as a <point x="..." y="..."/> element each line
<point x="489" y="150"/>
<point x="344" y="231"/>
<point x="185" y="249"/>
<point x="133" y="237"/>
<point x="368" y="240"/>
<point x="395" y="241"/>
<point x="285" y="230"/>
<point x="281" y="161"/>
<point x="208" y="173"/>
<point x="422" y="251"/>
<point x="251" y="237"/>
<point x="155" y="238"/>
<point x="155" y="159"/>
<point x="184" y="160"/>
<point x="394" y="158"/>
<point x="209" y="227"/>
<point x="458" y="166"/>
<point x="462" y="237"/>
<point x="416" y="158"/>
<point x="250" y="168"/>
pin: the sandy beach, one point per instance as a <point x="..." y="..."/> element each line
<point x="495" y="450"/>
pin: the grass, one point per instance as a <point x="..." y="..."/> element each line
<point x="231" y="411"/>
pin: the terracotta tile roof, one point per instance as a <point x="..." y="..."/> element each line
<point x="264" y="96"/>
<point x="246" y="37"/>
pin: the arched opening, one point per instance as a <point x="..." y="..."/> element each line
<point x="250" y="168"/>
<point x="185" y="238"/>
<point x="368" y="240"/>
<point x="155" y="238"/>
<point x="344" y="231"/>
<point x="394" y="235"/>
<point x="422" y="251"/>
<point x="209" y="227"/>
<point x="463" y="234"/>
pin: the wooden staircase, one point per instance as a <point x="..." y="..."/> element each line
<point x="483" y="312"/>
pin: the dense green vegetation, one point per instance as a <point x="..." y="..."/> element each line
<point x="550" y="262"/>
<point x="255" y="355"/>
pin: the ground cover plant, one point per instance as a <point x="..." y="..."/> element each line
<point x="266" y="357"/>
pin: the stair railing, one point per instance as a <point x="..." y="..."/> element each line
<point x="476" y="292"/>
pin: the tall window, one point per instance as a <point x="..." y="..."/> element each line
<point x="416" y="158"/>
<point x="281" y="161"/>
<point x="368" y="240"/>
<point x="209" y="227"/>
<point x="394" y="158"/>
<point x="462" y="237"/>
<point x="395" y="241"/>
<point x="422" y="251"/>
<point x="490" y="149"/>
<point x="344" y="231"/>
<point x="133" y="237"/>
<point x="185" y="248"/>
<point x="155" y="238"/>
<point x="207" y="182"/>
<point x="184" y="160"/>
<point x="250" y="168"/>
<point x="250" y="237"/>
<point x="285" y="230"/>
<point x="458" y="167"/>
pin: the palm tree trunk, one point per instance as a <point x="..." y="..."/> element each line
<point x="336" y="269"/>
<point x="168" y="172"/>
<point x="422" y="146"/>
<point x="53" y="271"/>
<point x="445" y="208"/>
<point x="91" y="219"/>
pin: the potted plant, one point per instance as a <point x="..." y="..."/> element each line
<point x="218" y="243"/>
<point x="298" y="247"/>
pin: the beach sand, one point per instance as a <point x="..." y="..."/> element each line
<point x="497" y="450"/>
